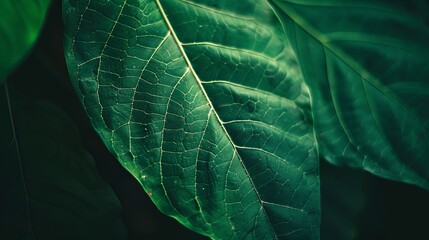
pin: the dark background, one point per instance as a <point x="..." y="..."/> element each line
<point x="355" y="205"/>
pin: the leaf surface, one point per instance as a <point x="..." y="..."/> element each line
<point x="366" y="64"/>
<point x="49" y="183"/>
<point x="203" y="103"/>
<point x="19" y="27"/>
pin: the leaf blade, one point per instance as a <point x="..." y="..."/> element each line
<point x="361" y="118"/>
<point x="19" y="29"/>
<point x="199" y="111"/>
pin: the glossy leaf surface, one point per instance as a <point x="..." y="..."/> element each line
<point x="21" y="22"/>
<point x="366" y="64"/>
<point x="202" y="101"/>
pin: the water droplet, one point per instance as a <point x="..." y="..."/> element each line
<point x="143" y="177"/>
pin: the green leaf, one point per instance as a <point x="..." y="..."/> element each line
<point x="203" y="103"/>
<point x="50" y="186"/>
<point x="21" y="22"/>
<point x="366" y="64"/>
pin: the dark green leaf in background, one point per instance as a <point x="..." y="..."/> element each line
<point x="343" y="198"/>
<point x="49" y="184"/>
<point x="202" y="101"/>
<point x="367" y="66"/>
<point x="15" y="218"/>
<point x="20" y="24"/>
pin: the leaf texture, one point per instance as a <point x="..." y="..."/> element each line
<point x="366" y="64"/>
<point x="202" y="101"/>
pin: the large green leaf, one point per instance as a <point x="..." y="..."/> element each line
<point x="21" y="22"/>
<point x="203" y="103"/>
<point x="367" y="66"/>
<point x="50" y="188"/>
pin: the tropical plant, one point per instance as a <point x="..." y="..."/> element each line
<point x="221" y="110"/>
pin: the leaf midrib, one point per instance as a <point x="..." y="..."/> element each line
<point x="21" y="170"/>
<point x="197" y="79"/>
<point x="355" y="67"/>
<point x="367" y="76"/>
